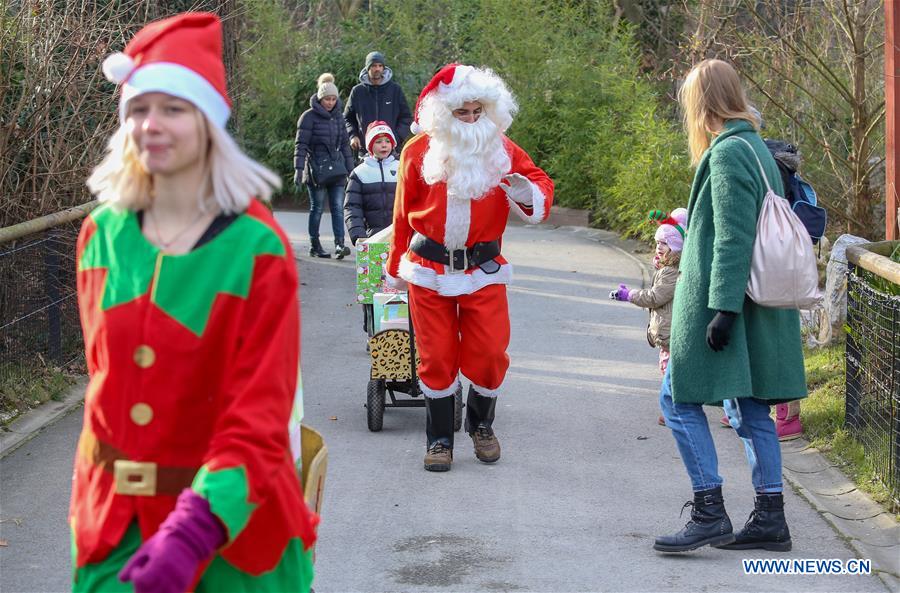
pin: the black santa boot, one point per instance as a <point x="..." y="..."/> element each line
<point x="479" y="418"/>
<point x="439" y="433"/>
<point x="709" y="525"/>
<point x="766" y="528"/>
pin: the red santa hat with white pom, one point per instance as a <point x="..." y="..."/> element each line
<point x="180" y="56"/>
<point x="454" y="84"/>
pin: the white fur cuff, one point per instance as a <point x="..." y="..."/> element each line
<point x="485" y="391"/>
<point x="438" y="393"/>
<point x="538" y="203"/>
<point x="452" y="284"/>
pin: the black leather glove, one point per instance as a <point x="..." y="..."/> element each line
<point x="719" y="330"/>
<point x="298" y="178"/>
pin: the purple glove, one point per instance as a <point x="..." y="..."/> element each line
<point x="621" y="294"/>
<point x="168" y="561"/>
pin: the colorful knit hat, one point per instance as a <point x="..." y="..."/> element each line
<point x="180" y="56"/>
<point x="672" y="227"/>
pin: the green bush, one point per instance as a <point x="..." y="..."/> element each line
<point x="656" y="174"/>
<point x="266" y="102"/>
<point x="587" y="115"/>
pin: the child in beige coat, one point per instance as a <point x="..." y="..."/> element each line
<point x="658" y="298"/>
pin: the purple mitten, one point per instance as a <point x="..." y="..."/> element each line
<point x="168" y="561"/>
<point x="622" y="293"/>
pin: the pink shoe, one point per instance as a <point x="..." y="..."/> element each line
<point x="724" y="422"/>
<point x="661" y="421"/>
<point x="787" y="428"/>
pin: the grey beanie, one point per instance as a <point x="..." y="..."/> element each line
<point x="374" y="57"/>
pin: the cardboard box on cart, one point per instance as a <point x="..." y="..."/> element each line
<point x="391" y="311"/>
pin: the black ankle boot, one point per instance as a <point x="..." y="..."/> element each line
<point x="766" y="528"/>
<point x="341" y="250"/>
<point x="439" y="433"/>
<point x="315" y="249"/>
<point x="709" y="525"/>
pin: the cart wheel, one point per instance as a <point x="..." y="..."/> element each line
<point x="457" y="409"/>
<point x="375" y="404"/>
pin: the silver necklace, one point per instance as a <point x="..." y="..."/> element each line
<point x="166" y="244"/>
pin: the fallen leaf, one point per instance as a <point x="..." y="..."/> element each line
<point x="333" y="418"/>
<point x="3" y="543"/>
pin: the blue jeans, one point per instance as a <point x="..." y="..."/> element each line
<point x="335" y="195"/>
<point x="751" y="421"/>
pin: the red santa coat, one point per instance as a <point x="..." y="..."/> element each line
<point x="426" y="209"/>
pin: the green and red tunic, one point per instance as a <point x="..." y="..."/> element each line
<point x="193" y="363"/>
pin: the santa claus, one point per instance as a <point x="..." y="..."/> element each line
<point x="459" y="177"/>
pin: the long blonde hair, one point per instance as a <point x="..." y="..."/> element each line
<point x="232" y="179"/>
<point x="712" y="90"/>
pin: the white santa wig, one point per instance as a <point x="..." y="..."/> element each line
<point x="466" y="83"/>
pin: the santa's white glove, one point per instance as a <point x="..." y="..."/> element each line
<point x="395" y="282"/>
<point x="519" y="189"/>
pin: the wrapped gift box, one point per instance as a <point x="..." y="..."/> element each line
<point x="371" y="257"/>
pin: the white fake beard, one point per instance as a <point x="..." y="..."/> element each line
<point x="470" y="157"/>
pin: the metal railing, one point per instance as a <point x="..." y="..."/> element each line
<point x="873" y="358"/>
<point x="39" y="324"/>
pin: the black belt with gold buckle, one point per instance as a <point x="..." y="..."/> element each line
<point x="457" y="260"/>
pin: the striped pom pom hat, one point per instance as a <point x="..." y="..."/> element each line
<point x="672" y="227"/>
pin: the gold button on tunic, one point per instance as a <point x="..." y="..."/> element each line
<point x="144" y="356"/>
<point x="141" y="414"/>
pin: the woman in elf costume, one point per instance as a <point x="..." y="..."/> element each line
<point x="187" y="289"/>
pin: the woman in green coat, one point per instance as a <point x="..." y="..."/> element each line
<point x="726" y="349"/>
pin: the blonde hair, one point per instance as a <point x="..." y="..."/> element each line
<point x="232" y="178"/>
<point x="712" y="90"/>
<point x="671" y="258"/>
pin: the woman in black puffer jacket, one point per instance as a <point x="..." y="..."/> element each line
<point x="322" y="139"/>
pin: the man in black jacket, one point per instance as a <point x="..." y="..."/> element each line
<point x="376" y="97"/>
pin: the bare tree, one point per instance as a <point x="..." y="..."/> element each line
<point x="349" y="8"/>
<point x="56" y="109"/>
<point x="817" y="65"/>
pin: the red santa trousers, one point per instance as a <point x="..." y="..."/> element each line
<point x="467" y="333"/>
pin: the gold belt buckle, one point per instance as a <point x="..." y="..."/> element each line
<point x="135" y="478"/>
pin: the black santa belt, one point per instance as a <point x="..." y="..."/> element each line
<point x="458" y="260"/>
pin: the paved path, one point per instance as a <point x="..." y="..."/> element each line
<point x="586" y="480"/>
